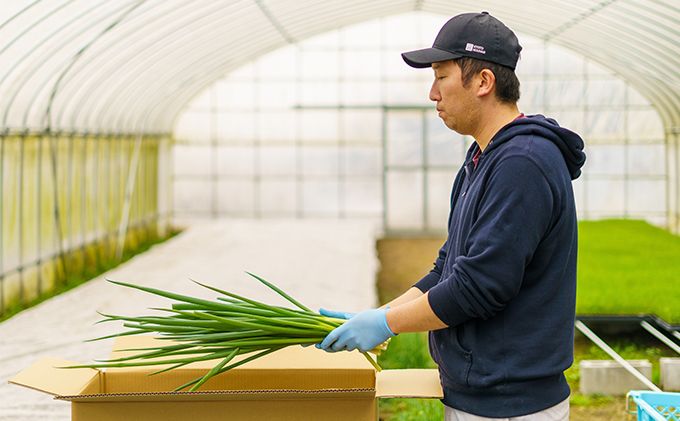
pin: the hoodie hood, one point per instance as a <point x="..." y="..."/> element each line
<point x="569" y="143"/>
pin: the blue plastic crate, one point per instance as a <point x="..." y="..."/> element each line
<point x="655" y="406"/>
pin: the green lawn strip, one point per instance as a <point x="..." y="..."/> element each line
<point x="628" y="267"/>
<point x="630" y="347"/>
<point x="82" y="275"/>
<point x="400" y="409"/>
<point x="409" y="350"/>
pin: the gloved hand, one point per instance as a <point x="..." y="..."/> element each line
<point x="334" y="314"/>
<point x="364" y="331"/>
<point x="337" y="314"/>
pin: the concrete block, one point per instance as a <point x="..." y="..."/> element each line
<point x="670" y="374"/>
<point x="607" y="377"/>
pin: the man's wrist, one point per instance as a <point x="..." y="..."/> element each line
<point x="387" y="327"/>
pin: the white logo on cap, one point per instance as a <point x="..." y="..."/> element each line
<point x="475" y="48"/>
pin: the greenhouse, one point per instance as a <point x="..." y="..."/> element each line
<point x="125" y="121"/>
<point x="127" y="116"/>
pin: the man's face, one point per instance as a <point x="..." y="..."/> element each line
<point x="457" y="104"/>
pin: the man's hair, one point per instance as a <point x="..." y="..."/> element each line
<point x="507" y="84"/>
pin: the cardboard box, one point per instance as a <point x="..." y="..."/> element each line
<point x="294" y="383"/>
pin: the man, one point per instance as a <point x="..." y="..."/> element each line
<point x="499" y="303"/>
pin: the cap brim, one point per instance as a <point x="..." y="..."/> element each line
<point x="424" y="58"/>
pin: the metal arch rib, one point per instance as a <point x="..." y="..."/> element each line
<point x="44" y="60"/>
<point x="657" y="92"/>
<point x="56" y="68"/>
<point x="137" y="85"/>
<point x="18" y="14"/>
<point x="629" y="70"/>
<point x="99" y="84"/>
<point x="663" y="89"/>
<point x="36" y="23"/>
<point x="274" y="21"/>
<point x="16" y="64"/>
<point x="106" y="50"/>
<point x="577" y="20"/>
<point x="181" y="97"/>
<point x="194" y="58"/>
<point x="79" y="54"/>
<point x="191" y="87"/>
<point x="82" y="101"/>
<point x="188" y="76"/>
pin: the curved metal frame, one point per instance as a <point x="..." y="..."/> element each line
<point x="108" y="53"/>
<point x="97" y="83"/>
<point x="36" y="46"/>
<point x="77" y="56"/>
<point x="136" y="85"/>
<point x="113" y="100"/>
<point x="190" y="70"/>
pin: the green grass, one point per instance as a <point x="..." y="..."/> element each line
<point x="633" y="346"/>
<point x="83" y="274"/>
<point x="628" y="267"/>
<point x="409" y="350"/>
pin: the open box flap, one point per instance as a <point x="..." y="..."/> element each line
<point x="411" y="383"/>
<point x="46" y="376"/>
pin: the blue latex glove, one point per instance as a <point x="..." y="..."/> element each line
<point x="334" y="314"/>
<point x="337" y="314"/>
<point x="364" y="331"/>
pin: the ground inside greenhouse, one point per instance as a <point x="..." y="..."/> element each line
<point x="320" y="263"/>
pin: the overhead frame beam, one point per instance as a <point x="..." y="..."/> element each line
<point x="609" y="32"/>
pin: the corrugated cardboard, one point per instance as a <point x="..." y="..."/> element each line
<point x="294" y="383"/>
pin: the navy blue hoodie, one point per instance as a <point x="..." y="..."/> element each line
<point x="505" y="280"/>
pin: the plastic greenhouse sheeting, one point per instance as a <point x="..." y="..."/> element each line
<point x="117" y="67"/>
<point x="132" y="65"/>
<point x="338" y="126"/>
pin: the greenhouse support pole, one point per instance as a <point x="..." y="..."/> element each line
<point x="20" y="219"/>
<point x="127" y="203"/>
<point x="673" y="174"/>
<point x="599" y="342"/>
<point x="2" y="201"/>
<point x="59" y="235"/>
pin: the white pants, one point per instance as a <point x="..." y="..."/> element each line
<point x="559" y="412"/>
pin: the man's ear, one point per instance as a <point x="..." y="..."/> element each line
<point x="486" y="82"/>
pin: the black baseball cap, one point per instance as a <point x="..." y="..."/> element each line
<point x="476" y="35"/>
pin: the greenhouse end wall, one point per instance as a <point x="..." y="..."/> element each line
<point x="338" y="126"/>
<point x="88" y="177"/>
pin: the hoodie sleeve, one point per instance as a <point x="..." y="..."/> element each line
<point x="512" y="217"/>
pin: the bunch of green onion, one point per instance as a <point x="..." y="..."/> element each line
<point x="232" y="325"/>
